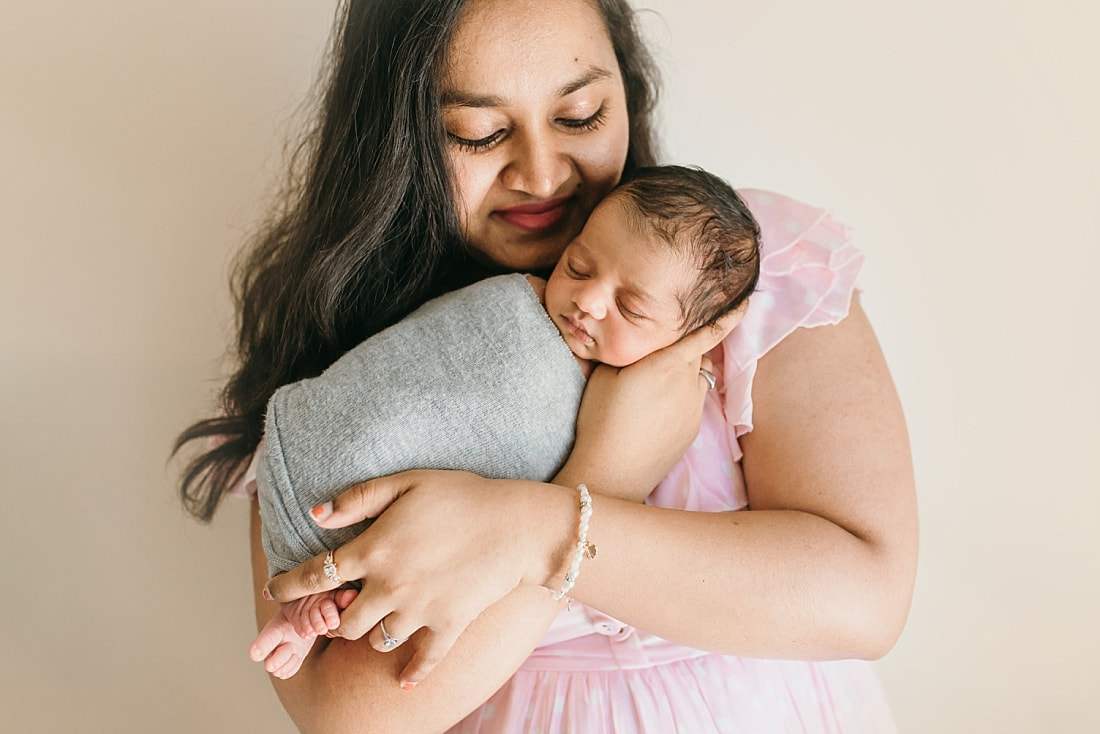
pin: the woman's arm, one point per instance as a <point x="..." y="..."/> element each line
<point x="823" y="564"/>
<point x="364" y="680"/>
<point x="347" y="686"/>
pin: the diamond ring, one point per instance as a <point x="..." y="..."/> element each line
<point x="330" y="570"/>
<point x="389" y="641"/>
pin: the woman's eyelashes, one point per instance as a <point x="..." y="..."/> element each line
<point x="592" y="122"/>
<point x="475" y="146"/>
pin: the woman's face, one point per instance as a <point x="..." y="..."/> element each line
<point x="536" y="120"/>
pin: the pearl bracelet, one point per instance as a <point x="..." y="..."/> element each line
<point x="584" y="548"/>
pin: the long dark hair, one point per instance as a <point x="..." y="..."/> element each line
<point x="367" y="231"/>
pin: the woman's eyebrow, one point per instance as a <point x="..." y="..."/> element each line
<point x="591" y="75"/>
<point x="457" y="98"/>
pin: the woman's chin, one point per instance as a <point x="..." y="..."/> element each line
<point x="537" y="256"/>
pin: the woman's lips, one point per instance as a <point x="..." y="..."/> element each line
<point x="538" y="216"/>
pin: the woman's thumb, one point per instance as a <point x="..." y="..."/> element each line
<point x="359" y="502"/>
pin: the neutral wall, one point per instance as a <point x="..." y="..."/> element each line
<point x="140" y="140"/>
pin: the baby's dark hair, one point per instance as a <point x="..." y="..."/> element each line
<point x="703" y="218"/>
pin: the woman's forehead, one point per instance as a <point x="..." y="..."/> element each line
<point x="505" y="47"/>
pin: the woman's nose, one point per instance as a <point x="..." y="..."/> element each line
<point x="539" y="167"/>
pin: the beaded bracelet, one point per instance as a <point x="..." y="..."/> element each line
<point x="584" y="548"/>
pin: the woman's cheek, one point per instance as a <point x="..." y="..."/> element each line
<point x="473" y="185"/>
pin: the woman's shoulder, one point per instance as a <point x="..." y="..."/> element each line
<point x="808" y="273"/>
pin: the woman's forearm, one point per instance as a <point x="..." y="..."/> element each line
<point x="776" y="584"/>
<point x="823" y="565"/>
<point x="347" y="686"/>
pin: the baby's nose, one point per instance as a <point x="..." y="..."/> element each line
<point x="590" y="301"/>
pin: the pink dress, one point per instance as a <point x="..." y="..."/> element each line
<point x="592" y="674"/>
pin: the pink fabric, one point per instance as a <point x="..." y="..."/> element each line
<point x="593" y="674"/>
<point x="246" y="488"/>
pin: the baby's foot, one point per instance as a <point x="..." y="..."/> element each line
<point x="287" y="638"/>
<point x="313" y="615"/>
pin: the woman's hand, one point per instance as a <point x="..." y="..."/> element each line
<point x="448" y="545"/>
<point x="636" y="422"/>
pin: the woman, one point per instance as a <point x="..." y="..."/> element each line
<point x="461" y="138"/>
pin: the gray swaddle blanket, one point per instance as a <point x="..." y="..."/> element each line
<point x="478" y="380"/>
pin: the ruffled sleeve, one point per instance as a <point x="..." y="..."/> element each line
<point x="808" y="273"/>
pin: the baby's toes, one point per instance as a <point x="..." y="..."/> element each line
<point x="277" y="659"/>
<point x="331" y="616"/>
<point x="289" y="668"/>
<point x="264" y="643"/>
<point x="317" y="620"/>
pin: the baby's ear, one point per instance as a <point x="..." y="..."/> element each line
<point x="538" y="285"/>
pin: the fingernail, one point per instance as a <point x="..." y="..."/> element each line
<point x="267" y="595"/>
<point x="407" y="686"/>
<point x="320" y="512"/>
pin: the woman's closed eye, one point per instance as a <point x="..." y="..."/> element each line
<point x="591" y="122"/>
<point x="481" y="144"/>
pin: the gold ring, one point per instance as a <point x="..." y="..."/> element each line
<point x="330" y="570"/>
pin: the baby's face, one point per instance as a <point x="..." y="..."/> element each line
<point x="615" y="295"/>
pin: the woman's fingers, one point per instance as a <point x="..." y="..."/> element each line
<point x="392" y="631"/>
<point x="364" y="613"/>
<point x="323" y="573"/>
<point x="432" y="646"/>
<point x="362" y="501"/>
<point x="320" y="573"/>
<point x="707" y="337"/>
<point x="344" y="598"/>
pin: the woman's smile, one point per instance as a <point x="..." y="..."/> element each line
<point x="539" y="216"/>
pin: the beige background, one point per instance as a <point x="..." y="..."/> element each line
<point x="139" y="141"/>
